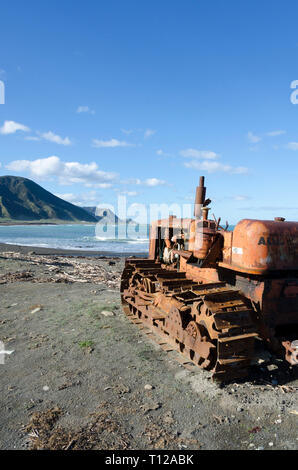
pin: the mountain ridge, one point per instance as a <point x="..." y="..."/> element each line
<point x="106" y="216"/>
<point x="21" y="199"/>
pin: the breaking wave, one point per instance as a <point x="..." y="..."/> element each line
<point x="70" y="237"/>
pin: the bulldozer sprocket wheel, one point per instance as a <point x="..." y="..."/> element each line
<point x="209" y="324"/>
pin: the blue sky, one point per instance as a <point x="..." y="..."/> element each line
<point x="142" y="97"/>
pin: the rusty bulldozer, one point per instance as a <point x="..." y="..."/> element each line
<point x="212" y="293"/>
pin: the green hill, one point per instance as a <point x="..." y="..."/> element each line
<point x="23" y="200"/>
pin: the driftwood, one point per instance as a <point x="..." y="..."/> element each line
<point x="61" y="269"/>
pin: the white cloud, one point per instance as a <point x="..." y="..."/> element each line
<point x="240" y="197"/>
<point x="200" y="154"/>
<point x="66" y="172"/>
<point x="275" y="133"/>
<point x="11" y="127"/>
<point x="110" y="143"/>
<point x="161" y="153"/>
<point x="149" y="182"/>
<point x="131" y="181"/>
<point x="99" y="185"/>
<point x="213" y="167"/>
<point x="292" y="145"/>
<point x="149" y="133"/>
<point x="70" y="197"/>
<point x="129" y="193"/>
<point x="90" y="198"/>
<point x="152" y="182"/>
<point x="85" y="109"/>
<point x="253" y="139"/>
<point x="33" y="138"/>
<point x="51" y="137"/>
<point x="38" y="168"/>
<point x="127" y="131"/>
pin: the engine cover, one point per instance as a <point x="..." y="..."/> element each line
<point x="261" y="246"/>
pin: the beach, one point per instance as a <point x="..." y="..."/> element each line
<point x="39" y="250"/>
<point x="81" y="376"/>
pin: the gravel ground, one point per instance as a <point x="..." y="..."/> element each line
<point x="83" y="377"/>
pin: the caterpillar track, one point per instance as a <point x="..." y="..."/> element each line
<point x="209" y="323"/>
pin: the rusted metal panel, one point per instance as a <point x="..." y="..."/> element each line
<point x="264" y="246"/>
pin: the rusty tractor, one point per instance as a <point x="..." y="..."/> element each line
<point x="212" y="293"/>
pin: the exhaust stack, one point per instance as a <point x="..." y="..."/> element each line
<point x="200" y="198"/>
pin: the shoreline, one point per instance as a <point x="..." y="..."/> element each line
<point x="66" y="252"/>
<point x="21" y="223"/>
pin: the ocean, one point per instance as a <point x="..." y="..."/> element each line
<point x="85" y="237"/>
<point x="88" y="237"/>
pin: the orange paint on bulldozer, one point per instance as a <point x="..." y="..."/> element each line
<point x="211" y="293"/>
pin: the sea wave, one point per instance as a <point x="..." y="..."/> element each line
<point x="121" y="240"/>
<point x="70" y="237"/>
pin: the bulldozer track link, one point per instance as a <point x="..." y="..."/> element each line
<point x="209" y="324"/>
